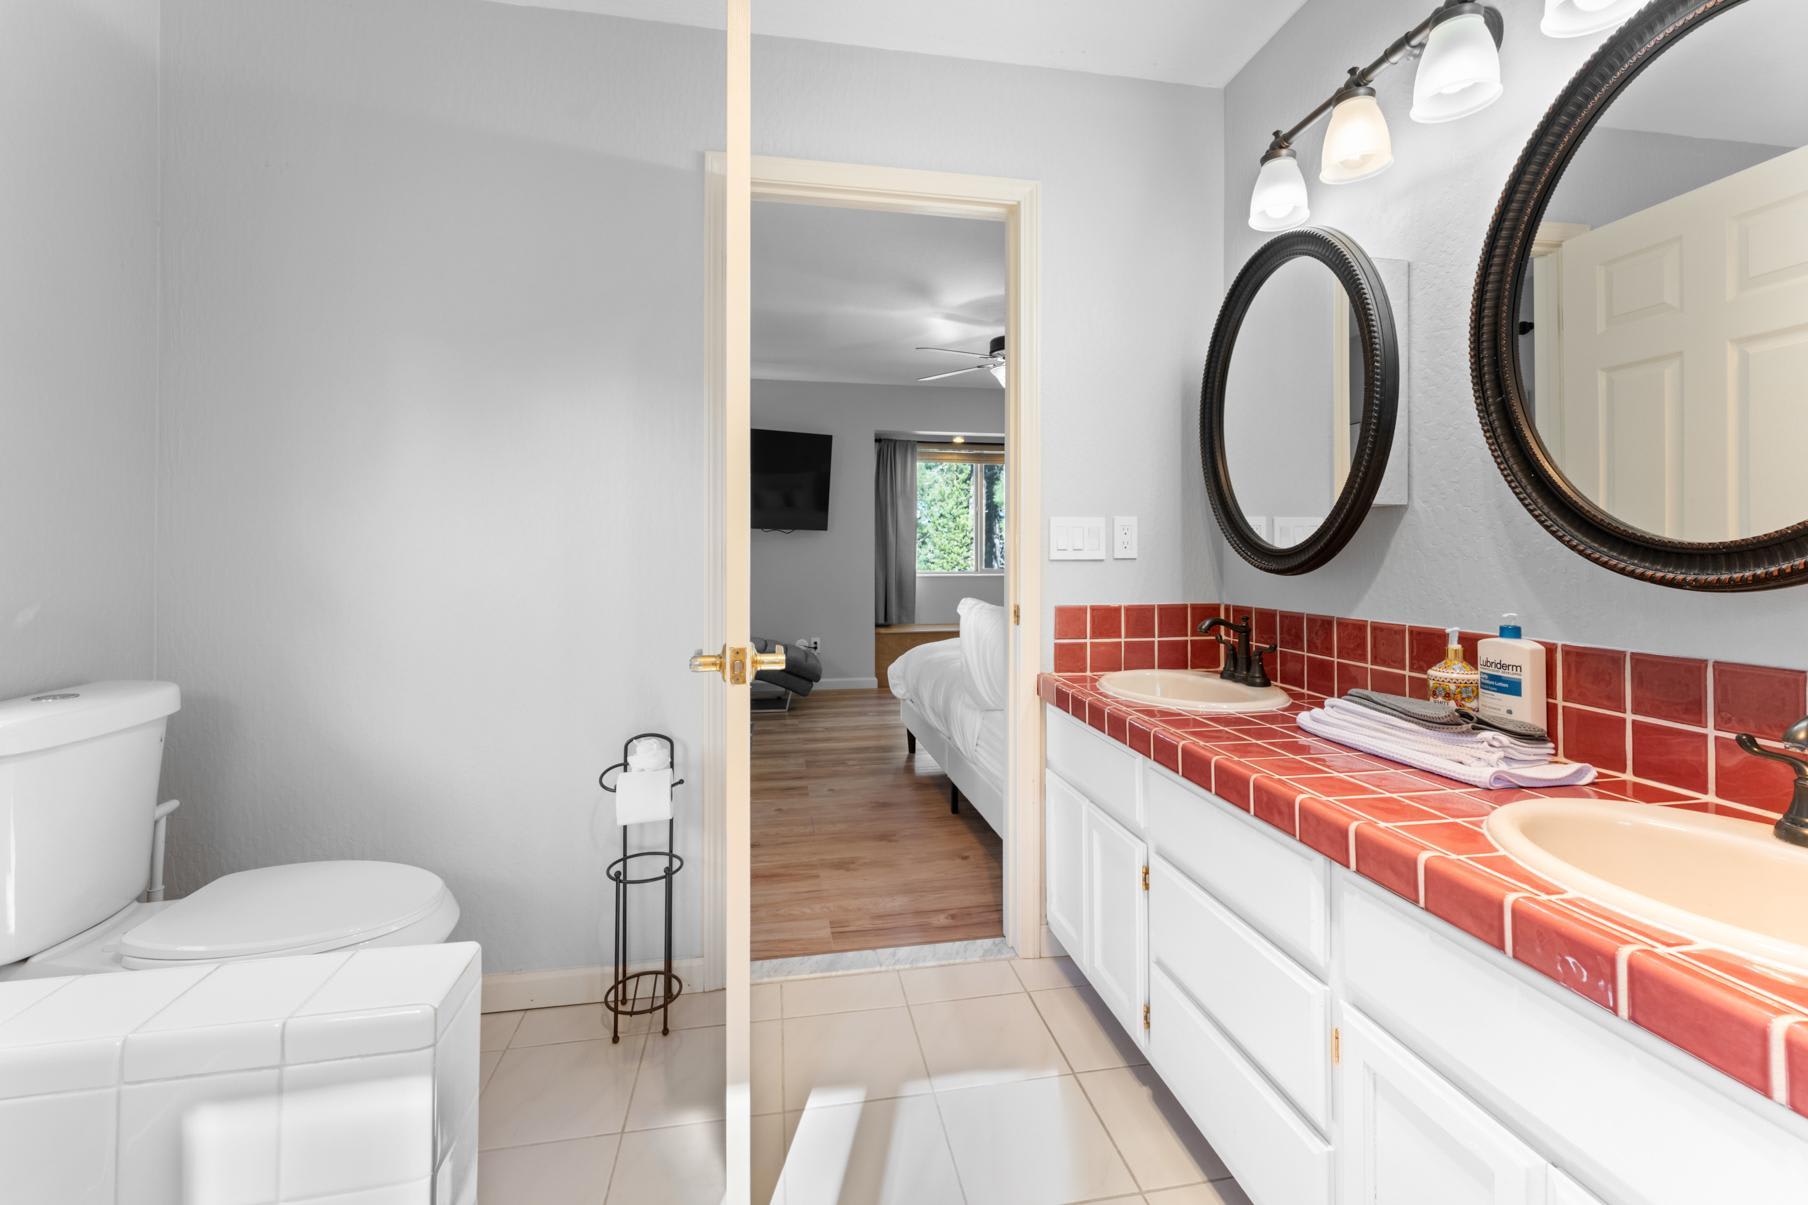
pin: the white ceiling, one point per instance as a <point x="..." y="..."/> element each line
<point x="847" y="294"/>
<point x="1203" y="42"/>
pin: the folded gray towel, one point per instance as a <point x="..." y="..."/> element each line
<point x="1440" y="716"/>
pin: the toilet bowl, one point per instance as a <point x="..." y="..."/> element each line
<point x="78" y="781"/>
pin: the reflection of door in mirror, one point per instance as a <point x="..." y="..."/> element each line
<point x="1682" y="401"/>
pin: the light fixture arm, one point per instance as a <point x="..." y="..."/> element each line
<point x="1407" y="44"/>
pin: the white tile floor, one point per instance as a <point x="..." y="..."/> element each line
<point x="980" y="1083"/>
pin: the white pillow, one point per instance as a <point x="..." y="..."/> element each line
<point x="983" y="633"/>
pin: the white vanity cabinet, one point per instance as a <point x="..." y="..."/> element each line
<point x="1409" y="1138"/>
<point x="1115" y="939"/>
<point x="1339" y="1046"/>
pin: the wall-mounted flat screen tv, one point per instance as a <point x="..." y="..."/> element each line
<point x="791" y="480"/>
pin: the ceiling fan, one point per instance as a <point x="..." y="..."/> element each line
<point x="993" y="361"/>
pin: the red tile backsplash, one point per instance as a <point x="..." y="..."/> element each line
<point x="1594" y="677"/>
<point x="1107" y="623"/>
<point x="1673" y="755"/>
<point x="1596" y="737"/>
<point x="1758" y="699"/>
<point x="1756" y="781"/>
<point x="1424" y="649"/>
<point x="1387" y="646"/>
<point x="1292" y="627"/>
<point x="1669" y="688"/>
<point x="1353" y="640"/>
<point x="1139" y="622"/>
<point x="1321" y="636"/>
<point x="1171" y="620"/>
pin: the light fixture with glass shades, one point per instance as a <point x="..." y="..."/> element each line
<point x="1357" y="144"/>
<point x="1279" y="199"/>
<point x="1579" y="18"/>
<point x="1458" y="48"/>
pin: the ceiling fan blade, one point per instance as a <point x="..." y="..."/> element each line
<point x="957" y="351"/>
<point x="957" y="372"/>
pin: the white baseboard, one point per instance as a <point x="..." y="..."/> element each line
<point x="848" y="684"/>
<point x="511" y="991"/>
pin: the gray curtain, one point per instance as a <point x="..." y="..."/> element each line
<point x="895" y="533"/>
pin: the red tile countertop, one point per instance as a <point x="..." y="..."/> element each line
<point x="1420" y="836"/>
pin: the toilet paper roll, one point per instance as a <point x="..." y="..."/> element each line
<point x="649" y="753"/>
<point x="643" y="796"/>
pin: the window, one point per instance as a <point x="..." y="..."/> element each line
<point x="960" y="509"/>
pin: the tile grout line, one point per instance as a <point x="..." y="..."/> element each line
<point x="935" y="1098"/>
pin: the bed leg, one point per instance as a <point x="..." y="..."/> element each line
<point x="910" y="742"/>
<point x="953" y="800"/>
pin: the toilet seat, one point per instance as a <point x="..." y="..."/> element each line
<point x="301" y="908"/>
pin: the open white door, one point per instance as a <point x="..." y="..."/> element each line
<point x="727" y="651"/>
<point x="1684" y="342"/>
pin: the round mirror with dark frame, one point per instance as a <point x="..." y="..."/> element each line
<point x="1639" y="335"/>
<point x="1301" y="390"/>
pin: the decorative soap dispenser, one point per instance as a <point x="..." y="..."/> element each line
<point x="1454" y="680"/>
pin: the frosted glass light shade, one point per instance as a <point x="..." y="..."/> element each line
<point x="1279" y="199"/>
<point x="1357" y="144"/>
<point x="1460" y="71"/>
<point x="998" y="371"/>
<point x="1579" y="18"/>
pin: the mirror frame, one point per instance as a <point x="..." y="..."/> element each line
<point x="1381" y="372"/>
<point x="1762" y="562"/>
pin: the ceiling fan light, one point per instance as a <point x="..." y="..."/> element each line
<point x="1579" y="18"/>
<point x="1460" y="71"/>
<point x="1279" y="200"/>
<point x="1357" y="144"/>
<point x="998" y="374"/>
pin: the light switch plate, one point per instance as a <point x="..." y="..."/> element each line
<point x="1071" y="539"/>
<point x="1123" y="537"/>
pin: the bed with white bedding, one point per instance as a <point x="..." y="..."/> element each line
<point x="951" y="696"/>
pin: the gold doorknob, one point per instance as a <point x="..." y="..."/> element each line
<point x="733" y="662"/>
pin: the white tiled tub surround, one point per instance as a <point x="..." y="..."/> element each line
<point x="330" y="1078"/>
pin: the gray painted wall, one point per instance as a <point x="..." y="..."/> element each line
<point x="431" y="524"/>
<point x="1132" y="190"/>
<point x="78" y="340"/>
<point x="1464" y="550"/>
<point x="820" y="583"/>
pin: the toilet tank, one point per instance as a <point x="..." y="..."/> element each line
<point x="78" y="783"/>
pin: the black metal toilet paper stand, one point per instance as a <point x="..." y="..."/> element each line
<point x="643" y="992"/>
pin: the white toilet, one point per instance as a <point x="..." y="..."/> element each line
<point x="78" y="789"/>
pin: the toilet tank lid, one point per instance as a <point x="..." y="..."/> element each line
<point x="77" y="713"/>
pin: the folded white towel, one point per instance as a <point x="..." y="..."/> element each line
<point x="1474" y="748"/>
<point x="643" y="796"/>
<point x="1437" y="760"/>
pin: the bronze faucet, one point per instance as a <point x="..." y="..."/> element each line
<point x="1793" y="826"/>
<point x="1241" y="663"/>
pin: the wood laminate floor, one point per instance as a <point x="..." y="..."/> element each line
<point x="853" y="844"/>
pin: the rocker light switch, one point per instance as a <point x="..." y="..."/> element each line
<point x="1071" y="539"/>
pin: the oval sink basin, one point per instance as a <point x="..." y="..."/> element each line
<point x="1191" y="690"/>
<point x="1713" y="878"/>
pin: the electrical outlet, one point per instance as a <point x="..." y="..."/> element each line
<point x="1123" y="538"/>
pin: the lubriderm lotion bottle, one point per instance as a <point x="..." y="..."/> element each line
<point x="1512" y="670"/>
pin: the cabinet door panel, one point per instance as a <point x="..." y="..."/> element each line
<point x="1409" y="1138"/>
<point x="1064" y="875"/>
<point x="1116" y="927"/>
<point x="1565" y="1191"/>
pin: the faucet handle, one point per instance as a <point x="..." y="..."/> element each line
<point x="1749" y="743"/>
<point x="1793" y="825"/>
<point x="1257" y="674"/>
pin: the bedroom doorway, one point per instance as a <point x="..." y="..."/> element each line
<point x="879" y="550"/>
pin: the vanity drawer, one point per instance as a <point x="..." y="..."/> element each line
<point x="1272" y="882"/>
<point x="1103" y="770"/>
<point x="1273" y="1009"/>
<point x="1275" y="1156"/>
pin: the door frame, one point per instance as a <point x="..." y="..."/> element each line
<point x="1017" y="204"/>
